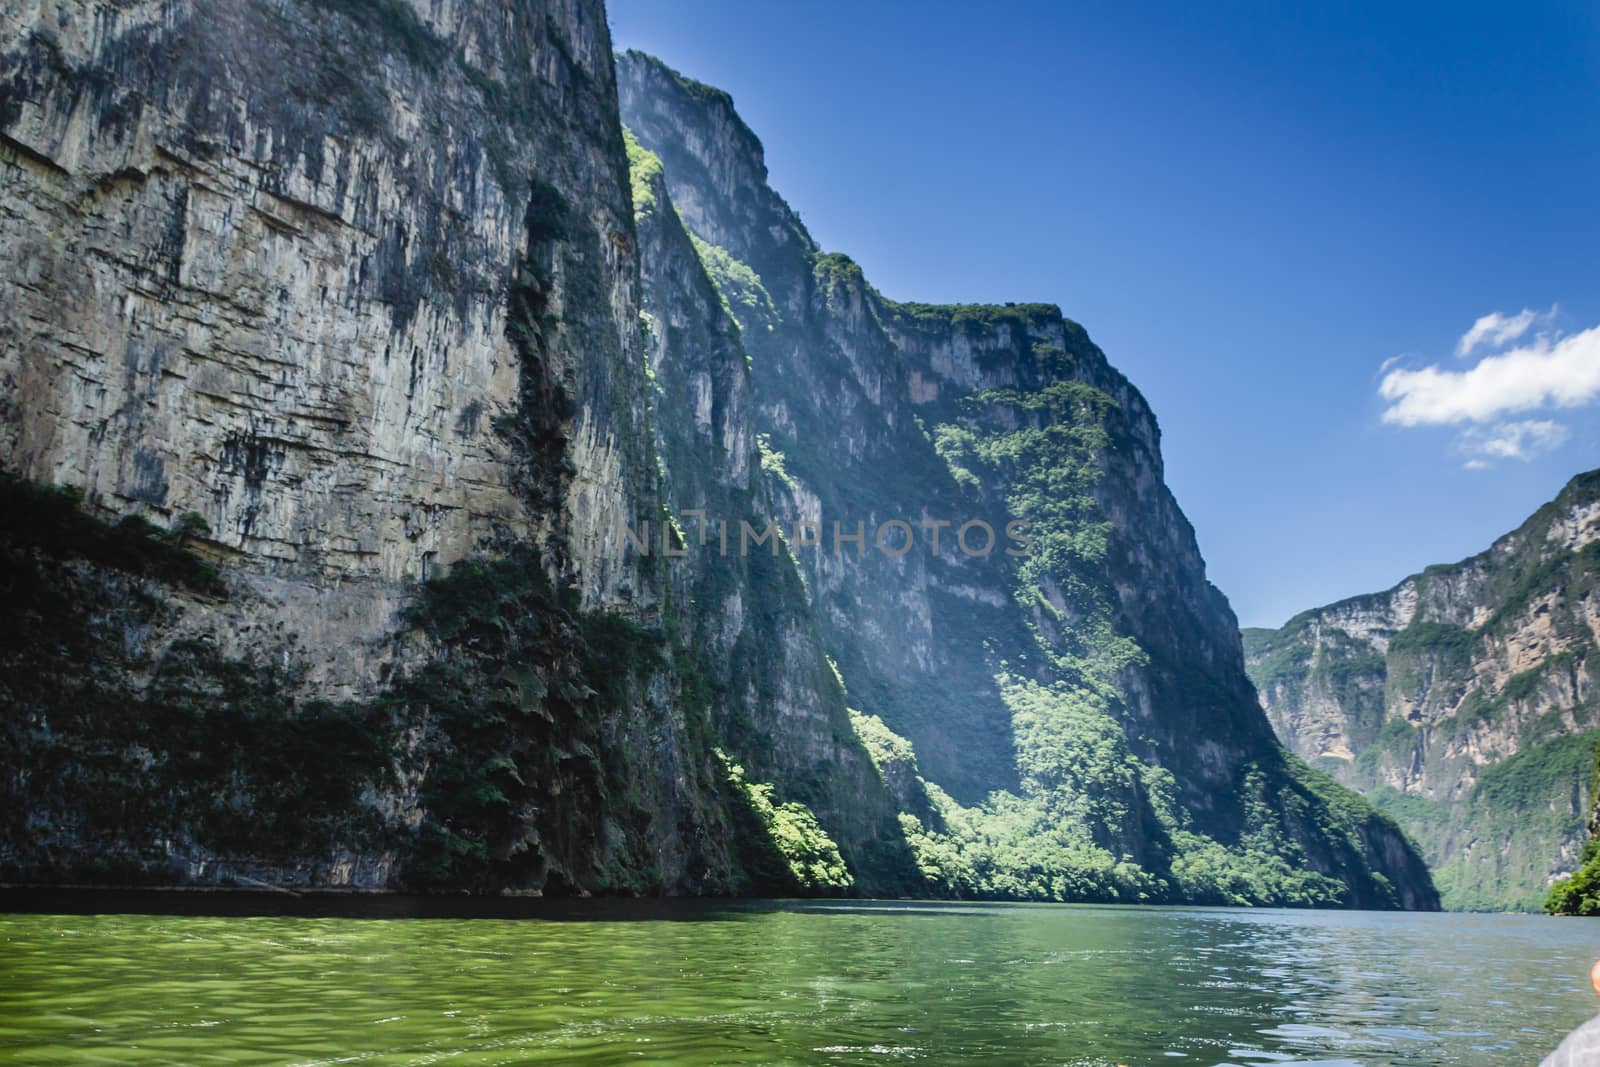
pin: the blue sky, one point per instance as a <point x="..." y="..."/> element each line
<point x="1265" y="216"/>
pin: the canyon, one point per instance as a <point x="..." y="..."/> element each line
<point x="343" y="345"/>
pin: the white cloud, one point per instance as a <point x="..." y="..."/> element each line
<point x="1545" y="372"/>
<point x="1510" y="440"/>
<point x="1560" y="372"/>
<point x="1497" y="329"/>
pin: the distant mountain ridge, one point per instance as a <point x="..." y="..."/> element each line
<point x="1462" y="701"/>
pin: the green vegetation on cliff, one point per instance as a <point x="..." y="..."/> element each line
<point x="1579" y="892"/>
<point x="744" y="298"/>
<point x="644" y="171"/>
<point x="783" y="849"/>
<point x="1037" y="846"/>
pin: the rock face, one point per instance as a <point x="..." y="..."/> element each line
<point x="1087" y="695"/>
<point x="1462" y="701"/>
<point x="260" y="270"/>
<point x="400" y="410"/>
<point x="771" y="695"/>
<point x="349" y="294"/>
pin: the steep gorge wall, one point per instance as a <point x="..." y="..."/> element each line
<point x="347" y="297"/>
<point x="1462" y="700"/>
<point x="1088" y="701"/>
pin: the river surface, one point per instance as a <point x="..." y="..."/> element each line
<point x="774" y="983"/>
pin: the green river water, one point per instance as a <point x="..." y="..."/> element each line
<point x="845" y="982"/>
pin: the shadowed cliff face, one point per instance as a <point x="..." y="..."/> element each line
<point x="1462" y="701"/>
<point x="1097" y="683"/>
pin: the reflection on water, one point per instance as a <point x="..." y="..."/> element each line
<point x="797" y="983"/>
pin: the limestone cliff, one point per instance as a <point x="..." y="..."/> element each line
<point x="1462" y="701"/>
<point x="344" y="299"/>
<point x="1070" y="722"/>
